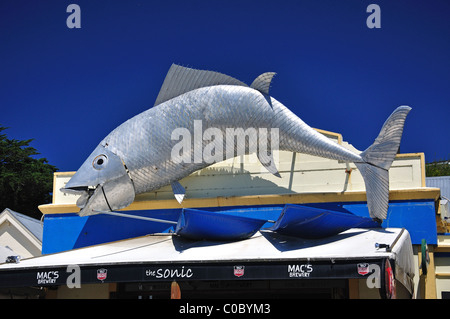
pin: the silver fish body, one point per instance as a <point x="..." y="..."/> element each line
<point x="145" y="141"/>
<point x="144" y="144"/>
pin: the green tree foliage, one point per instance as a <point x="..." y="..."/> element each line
<point x="25" y="182"/>
<point x="438" y="168"/>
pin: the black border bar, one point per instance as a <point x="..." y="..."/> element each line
<point x="145" y="272"/>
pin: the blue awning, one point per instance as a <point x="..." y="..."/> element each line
<point x="295" y="220"/>
<point x="309" y="222"/>
<point x="199" y="224"/>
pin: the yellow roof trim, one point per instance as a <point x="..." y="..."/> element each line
<point x="337" y="135"/>
<point x="404" y="194"/>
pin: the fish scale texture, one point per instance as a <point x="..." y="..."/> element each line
<point x="145" y="141"/>
<point x="171" y="140"/>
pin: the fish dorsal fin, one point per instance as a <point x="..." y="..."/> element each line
<point x="180" y="80"/>
<point x="262" y="82"/>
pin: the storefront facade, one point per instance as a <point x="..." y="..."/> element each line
<point x="141" y="259"/>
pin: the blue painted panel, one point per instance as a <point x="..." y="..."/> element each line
<point x="418" y="217"/>
<point x="69" y="231"/>
<point x="61" y="232"/>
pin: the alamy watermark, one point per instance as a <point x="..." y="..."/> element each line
<point x="373" y="21"/>
<point x="374" y="279"/>
<point x="214" y="145"/>
<point x="74" y="279"/>
<point x="73" y="21"/>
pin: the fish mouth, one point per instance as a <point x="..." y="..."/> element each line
<point x="78" y="190"/>
<point x="92" y="200"/>
<point x="85" y="193"/>
<point x="112" y="195"/>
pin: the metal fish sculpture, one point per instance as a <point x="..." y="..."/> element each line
<point x="138" y="156"/>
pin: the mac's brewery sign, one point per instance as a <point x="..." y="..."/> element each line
<point x="187" y="272"/>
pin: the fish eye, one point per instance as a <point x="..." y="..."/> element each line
<point x="100" y="162"/>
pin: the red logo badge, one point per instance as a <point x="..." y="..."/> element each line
<point x="102" y="273"/>
<point x="363" y="269"/>
<point x="239" y="271"/>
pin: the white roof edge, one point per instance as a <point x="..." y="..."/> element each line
<point x="351" y="244"/>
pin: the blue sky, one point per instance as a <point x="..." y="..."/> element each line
<point x="68" y="88"/>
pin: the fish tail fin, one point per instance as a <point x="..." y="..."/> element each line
<point x="378" y="159"/>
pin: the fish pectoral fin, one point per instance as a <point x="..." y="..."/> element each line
<point x="268" y="162"/>
<point x="262" y="82"/>
<point x="178" y="191"/>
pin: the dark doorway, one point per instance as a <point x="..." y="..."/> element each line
<point x="237" y="289"/>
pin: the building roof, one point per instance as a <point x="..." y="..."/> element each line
<point x="264" y="248"/>
<point x="442" y="182"/>
<point x="264" y="245"/>
<point x="32" y="225"/>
